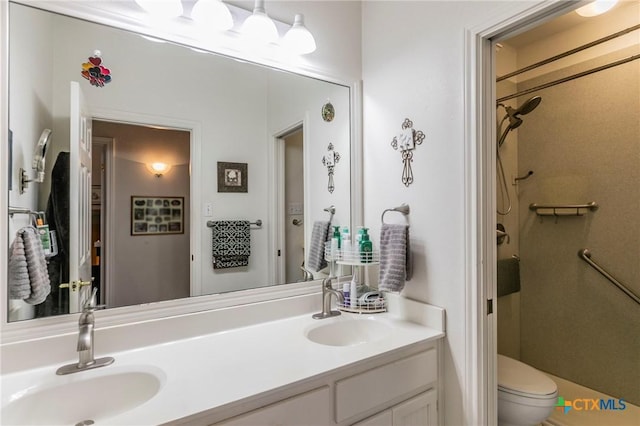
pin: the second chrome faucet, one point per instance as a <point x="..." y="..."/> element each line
<point x="327" y="291"/>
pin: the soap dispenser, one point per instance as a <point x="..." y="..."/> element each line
<point x="366" y="247"/>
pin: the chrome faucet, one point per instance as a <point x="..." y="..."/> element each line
<point x="86" y="324"/>
<point x="327" y="291"/>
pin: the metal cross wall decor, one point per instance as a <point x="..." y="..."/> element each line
<point x="329" y="160"/>
<point x="406" y="142"/>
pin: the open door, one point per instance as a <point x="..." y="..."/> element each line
<point x="79" y="201"/>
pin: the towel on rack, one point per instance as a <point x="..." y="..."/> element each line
<point x="319" y="235"/>
<point x="395" y="257"/>
<point x="28" y="275"/>
<point x="231" y="243"/>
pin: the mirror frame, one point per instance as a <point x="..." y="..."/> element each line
<point x="14" y="332"/>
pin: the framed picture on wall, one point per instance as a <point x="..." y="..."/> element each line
<point x="152" y="215"/>
<point x="232" y="177"/>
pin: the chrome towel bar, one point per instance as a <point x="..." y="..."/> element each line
<point x="257" y="223"/>
<point x="585" y="255"/>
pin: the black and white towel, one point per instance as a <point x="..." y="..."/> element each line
<point x="319" y="235"/>
<point x="231" y="243"/>
<point x="28" y="275"/>
<point x="395" y="257"/>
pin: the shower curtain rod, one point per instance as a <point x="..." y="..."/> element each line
<point x="568" y="52"/>
<point x="569" y="78"/>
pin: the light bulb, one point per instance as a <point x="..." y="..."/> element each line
<point x="598" y="7"/>
<point x="299" y="39"/>
<point x="162" y="8"/>
<point x="158" y="168"/>
<point x="213" y="14"/>
<point x="258" y="27"/>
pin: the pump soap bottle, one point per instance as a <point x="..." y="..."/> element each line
<point x="366" y="247"/>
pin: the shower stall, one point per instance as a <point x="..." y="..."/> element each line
<point x="568" y="180"/>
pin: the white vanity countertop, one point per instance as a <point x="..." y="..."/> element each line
<point x="205" y="372"/>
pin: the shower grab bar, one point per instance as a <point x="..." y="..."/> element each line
<point x="593" y="206"/>
<point x="585" y="255"/>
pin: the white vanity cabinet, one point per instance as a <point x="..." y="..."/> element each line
<point x="398" y="390"/>
<point x="311" y="408"/>
<point x="420" y="410"/>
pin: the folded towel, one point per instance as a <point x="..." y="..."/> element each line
<point x="28" y="275"/>
<point x="395" y="257"/>
<point x="231" y="243"/>
<point x="319" y="235"/>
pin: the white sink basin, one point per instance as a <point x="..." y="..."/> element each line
<point x="345" y="331"/>
<point x="79" y="398"/>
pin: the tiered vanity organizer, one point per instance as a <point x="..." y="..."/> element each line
<point x="359" y="260"/>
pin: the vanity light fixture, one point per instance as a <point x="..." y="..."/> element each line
<point x="212" y="13"/>
<point x="158" y="168"/>
<point x="299" y="39"/>
<point x="258" y="27"/>
<point x="598" y="7"/>
<point x="161" y="8"/>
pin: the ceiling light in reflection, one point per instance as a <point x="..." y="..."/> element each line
<point x="598" y="7"/>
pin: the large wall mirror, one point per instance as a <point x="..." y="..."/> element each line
<point x="242" y="142"/>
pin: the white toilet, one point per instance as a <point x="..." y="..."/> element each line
<point x="526" y="396"/>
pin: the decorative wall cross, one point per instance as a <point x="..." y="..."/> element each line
<point x="406" y="142"/>
<point x="329" y="160"/>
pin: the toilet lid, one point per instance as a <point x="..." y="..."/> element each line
<point x="517" y="377"/>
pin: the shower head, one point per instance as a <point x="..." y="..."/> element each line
<point x="514" y="115"/>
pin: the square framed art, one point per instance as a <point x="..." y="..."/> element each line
<point x="232" y="177"/>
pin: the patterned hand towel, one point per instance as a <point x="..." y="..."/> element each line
<point x="395" y="257"/>
<point x="231" y="243"/>
<point x="319" y="235"/>
<point x="28" y="275"/>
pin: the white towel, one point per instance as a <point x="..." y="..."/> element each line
<point x="319" y="236"/>
<point x="28" y="275"/>
<point x="395" y="257"/>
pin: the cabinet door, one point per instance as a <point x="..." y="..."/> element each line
<point x="417" y="411"/>
<point x="381" y="419"/>
<point x="311" y="408"/>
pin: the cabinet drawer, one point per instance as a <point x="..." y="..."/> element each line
<point x="312" y="408"/>
<point x="372" y="388"/>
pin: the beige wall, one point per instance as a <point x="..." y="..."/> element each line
<point x="582" y="143"/>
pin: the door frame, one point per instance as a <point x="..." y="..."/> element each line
<point x="480" y="387"/>
<point x="107" y="210"/>
<point x="278" y="209"/>
<point x="196" y="225"/>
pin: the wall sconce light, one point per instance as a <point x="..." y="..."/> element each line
<point x="258" y="27"/>
<point x="159" y="168"/>
<point x="598" y="7"/>
<point x="39" y="157"/>
<point x="299" y="39"/>
<point x="161" y="8"/>
<point x="213" y="14"/>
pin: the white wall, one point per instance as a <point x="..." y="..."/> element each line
<point x="30" y="114"/>
<point x="413" y="67"/>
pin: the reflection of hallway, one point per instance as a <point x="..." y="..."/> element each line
<point x="294" y="205"/>
<point x="151" y="266"/>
